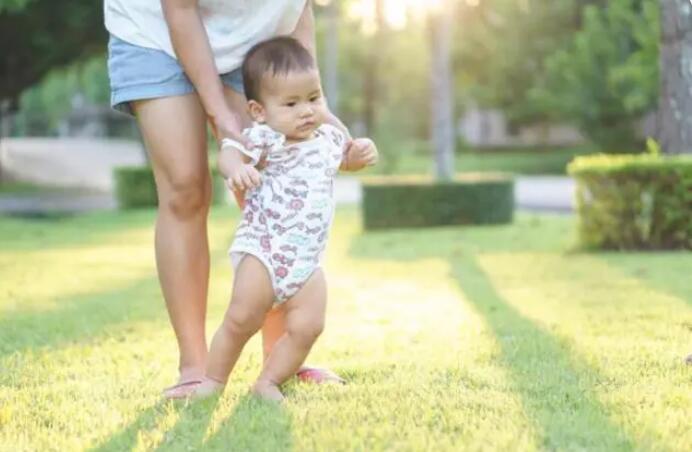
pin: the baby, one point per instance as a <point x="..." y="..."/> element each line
<point x="287" y="214"/>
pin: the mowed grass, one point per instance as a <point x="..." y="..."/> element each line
<point x="495" y="338"/>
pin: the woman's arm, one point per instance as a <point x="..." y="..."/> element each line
<point x="192" y="47"/>
<point x="194" y="53"/>
<point x="305" y="33"/>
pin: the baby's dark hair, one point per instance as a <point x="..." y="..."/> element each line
<point x="279" y="56"/>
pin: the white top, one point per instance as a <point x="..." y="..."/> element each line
<point x="233" y="26"/>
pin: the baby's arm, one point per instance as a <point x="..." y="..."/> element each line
<point x="243" y="171"/>
<point x="333" y="120"/>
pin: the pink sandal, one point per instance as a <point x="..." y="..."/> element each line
<point x="318" y="376"/>
<point x="181" y="390"/>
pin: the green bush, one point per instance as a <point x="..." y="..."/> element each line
<point x="417" y="202"/>
<point x="135" y="187"/>
<point x="634" y="201"/>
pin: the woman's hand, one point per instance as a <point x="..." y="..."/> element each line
<point x="240" y="176"/>
<point x="359" y="153"/>
<point x="229" y="126"/>
<point x="232" y="163"/>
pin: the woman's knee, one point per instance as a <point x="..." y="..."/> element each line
<point x="186" y="197"/>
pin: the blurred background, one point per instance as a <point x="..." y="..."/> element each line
<point x="520" y="86"/>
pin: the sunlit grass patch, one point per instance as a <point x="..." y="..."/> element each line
<point x="498" y="338"/>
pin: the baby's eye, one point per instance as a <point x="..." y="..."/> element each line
<point x="290" y="104"/>
<point x="314" y="98"/>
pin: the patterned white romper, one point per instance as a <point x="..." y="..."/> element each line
<point x="286" y="219"/>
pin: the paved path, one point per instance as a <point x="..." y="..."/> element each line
<point x="58" y="203"/>
<point x="85" y="163"/>
<point x="89" y="163"/>
<point x="544" y="193"/>
<point x="534" y="193"/>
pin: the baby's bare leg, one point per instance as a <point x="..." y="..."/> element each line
<point x="304" y="323"/>
<point x="252" y="297"/>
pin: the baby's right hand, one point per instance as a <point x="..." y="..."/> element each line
<point x="243" y="177"/>
<point x="239" y="175"/>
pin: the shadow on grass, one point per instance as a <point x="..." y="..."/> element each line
<point x="556" y="389"/>
<point x="126" y="438"/>
<point x="191" y="427"/>
<point x="255" y="425"/>
<point x="80" y="317"/>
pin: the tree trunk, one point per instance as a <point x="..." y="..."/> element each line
<point x="370" y="84"/>
<point x="442" y="100"/>
<point x="674" y="120"/>
<point x="5" y="127"/>
<point x="331" y="57"/>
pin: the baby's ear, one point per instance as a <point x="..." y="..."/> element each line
<point x="256" y="111"/>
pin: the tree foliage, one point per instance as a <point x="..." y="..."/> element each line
<point x="39" y="35"/>
<point x="502" y="46"/>
<point x="606" y="79"/>
<point x="590" y="62"/>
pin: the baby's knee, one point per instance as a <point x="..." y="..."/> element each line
<point x="306" y="331"/>
<point x="241" y="322"/>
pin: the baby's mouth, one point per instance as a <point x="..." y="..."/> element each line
<point x="306" y="126"/>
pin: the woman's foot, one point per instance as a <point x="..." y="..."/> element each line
<point x="182" y="390"/>
<point x="318" y="375"/>
<point x="207" y="387"/>
<point x="267" y="390"/>
<point x="190" y="376"/>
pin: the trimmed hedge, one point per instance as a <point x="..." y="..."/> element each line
<point x="135" y="187"/>
<point x="418" y="202"/>
<point x="634" y="201"/>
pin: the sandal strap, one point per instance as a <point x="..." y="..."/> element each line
<point x="183" y="384"/>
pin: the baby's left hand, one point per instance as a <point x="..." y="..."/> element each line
<point x="360" y="153"/>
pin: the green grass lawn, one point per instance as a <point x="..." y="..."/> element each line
<point x="495" y="338"/>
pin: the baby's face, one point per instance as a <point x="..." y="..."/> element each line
<point x="292" y="104"/>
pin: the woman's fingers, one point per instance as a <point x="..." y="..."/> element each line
<point x="236" y="183"/>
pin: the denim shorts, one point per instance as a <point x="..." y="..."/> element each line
<point x="138" y="73"/>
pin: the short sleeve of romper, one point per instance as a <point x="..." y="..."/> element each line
<point x="265" y="139"/>
<point x="337" y="141"/>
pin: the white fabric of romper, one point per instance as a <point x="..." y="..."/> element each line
<point x="286" y="219"/>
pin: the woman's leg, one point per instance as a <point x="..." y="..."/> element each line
<point x="273" y="328"/>
<point x="174" y="131"/>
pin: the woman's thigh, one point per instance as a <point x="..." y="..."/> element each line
<point x="174" y="131"/>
